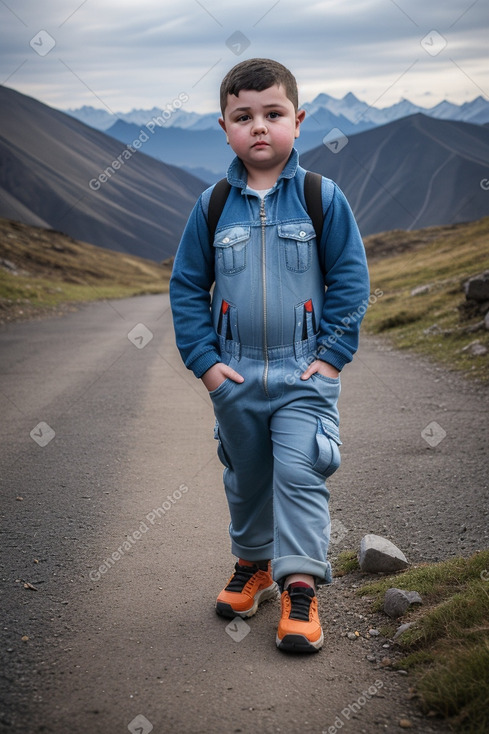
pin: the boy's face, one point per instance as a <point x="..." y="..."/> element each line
<point x="262" y="127"/>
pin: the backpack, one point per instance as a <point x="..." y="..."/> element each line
<point x="312" y="195"/>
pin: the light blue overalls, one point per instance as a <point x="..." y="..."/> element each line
<point x="278" y="435"/>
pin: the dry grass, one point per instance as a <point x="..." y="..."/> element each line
<point x="43" y="270"/>
<point x="442" y="259"/>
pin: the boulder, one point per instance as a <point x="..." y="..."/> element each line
<point x="398" y="601"/>
<point x="379" y="555"/>
<point x="475" y="348"/>
<point x="477" y="287"/>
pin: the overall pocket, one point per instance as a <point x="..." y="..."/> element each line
<point x="230" y="248"/>
<point x="297" y="240"/>
<point x="328" y="442"/>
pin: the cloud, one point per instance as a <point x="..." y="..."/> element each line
<point x="125" y="55"/>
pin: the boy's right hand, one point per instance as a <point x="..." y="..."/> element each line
<point x="216" y="375"/>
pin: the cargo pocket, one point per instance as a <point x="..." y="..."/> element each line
<point x="220" y="449"/>
<point x="230" y="247"/>
<point x="297" y="240"/>
<point x="328" y="442"/>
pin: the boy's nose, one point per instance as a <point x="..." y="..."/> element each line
<point x="259" y="127"/>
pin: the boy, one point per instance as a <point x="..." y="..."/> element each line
<point x="269" y="347"/>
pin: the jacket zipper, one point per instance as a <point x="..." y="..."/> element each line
<point x="264" y="288"/>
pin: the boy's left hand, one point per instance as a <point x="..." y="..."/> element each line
<point x="324" y="368"/>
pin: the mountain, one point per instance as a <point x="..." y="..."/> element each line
<point x="350" y="111"/>
<point x="184" y="148"/>
<point x="58" y="173"/>
<point x="204" y="153"/>
<point x="411" y="173"/>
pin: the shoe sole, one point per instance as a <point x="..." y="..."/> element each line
<point x="226" y="610"/>
<point x="298" y="644"/>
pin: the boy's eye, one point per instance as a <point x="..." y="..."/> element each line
<point x="242" y="118"/>
<point x="274" y="115"/>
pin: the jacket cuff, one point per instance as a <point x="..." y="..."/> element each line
<point x="203" y="363"/>
<point x="336" y="359"/>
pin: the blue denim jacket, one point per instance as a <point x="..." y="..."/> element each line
<point x="273" y="285"/>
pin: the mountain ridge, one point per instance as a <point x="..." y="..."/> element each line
<point x="54" y="172"/>
<point x="399" y="176"/>
<point x="350" y="107"/>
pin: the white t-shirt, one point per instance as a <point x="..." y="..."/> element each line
<point x="261" y="192"/>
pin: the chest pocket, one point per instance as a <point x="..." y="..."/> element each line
<point x="297" y="241"/>
<point x="230" y="248"/>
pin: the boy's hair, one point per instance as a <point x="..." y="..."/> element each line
<point x="258" y="74"/>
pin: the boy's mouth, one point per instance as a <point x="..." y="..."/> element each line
<point x="260" y="144"/>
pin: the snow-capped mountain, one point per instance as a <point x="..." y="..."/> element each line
<point x="359" y="114"/>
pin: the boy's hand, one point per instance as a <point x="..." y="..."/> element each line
<point x="216" y="375"/>
<point x="324" y="368"/>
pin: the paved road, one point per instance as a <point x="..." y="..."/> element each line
<point x="112" y="509"/>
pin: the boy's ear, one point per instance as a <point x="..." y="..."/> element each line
<point x="298" y="119"/>
<point x="222" y="123"/>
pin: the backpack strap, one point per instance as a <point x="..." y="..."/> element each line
<point x="314" y="201"/>
<point x="217" y="201"/>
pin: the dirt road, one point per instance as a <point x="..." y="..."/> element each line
<point x="114" y="535"/>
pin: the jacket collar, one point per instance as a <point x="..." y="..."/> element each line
<point x="237" y="174"/>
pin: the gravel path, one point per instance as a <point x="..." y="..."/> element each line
<point x="131" y="473"/>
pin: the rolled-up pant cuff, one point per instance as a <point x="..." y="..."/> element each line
<point x="257" y="553"/>
<point x="287" y="565"/>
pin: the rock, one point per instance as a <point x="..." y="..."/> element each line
<point x="477" y="288"/>
<point x="397" y="601"/>
<point x="400" y="630"/>
<point x="475" y="348"/>
<point x="420" y="290"/>
<point x="433" y="329"/>
<point x="379" y="555"/>
<point x="351" y="636"/>
<point x="374" y="633"/>
<point x="405" y="724"/>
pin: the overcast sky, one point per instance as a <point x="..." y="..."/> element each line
<point x="124" y="54"/>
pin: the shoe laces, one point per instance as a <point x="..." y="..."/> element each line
<point x="241" y="576"/>
<point x="300" y="600"/>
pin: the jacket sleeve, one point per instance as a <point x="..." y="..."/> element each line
<point x="190" y="284"/>
<point x="344" y="263"/>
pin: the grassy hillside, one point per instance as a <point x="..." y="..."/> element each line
<point x="434" y="322"/>
<point x="44" y="271"/>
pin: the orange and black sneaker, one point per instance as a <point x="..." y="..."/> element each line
<point x="249" y="586"/>
<point x="299" y="629"/>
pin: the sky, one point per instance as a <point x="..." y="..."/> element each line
<point x="121" y="54"/>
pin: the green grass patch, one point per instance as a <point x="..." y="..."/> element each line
<point x="447" y="646"/>
<point x="434" y="322"/>
<point x="346" y="562"/>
